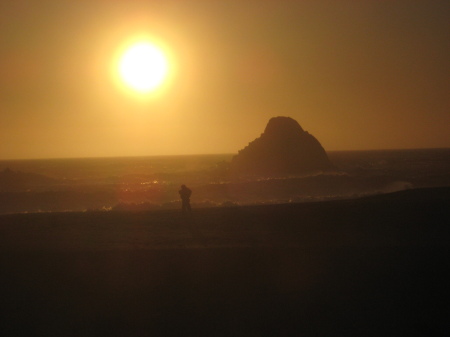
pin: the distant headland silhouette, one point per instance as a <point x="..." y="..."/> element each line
<point x="283" y="148"/>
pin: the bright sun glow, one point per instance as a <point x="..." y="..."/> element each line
<point x="143" y="67"/>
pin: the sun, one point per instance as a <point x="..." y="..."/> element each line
<point x="143" y="67"/>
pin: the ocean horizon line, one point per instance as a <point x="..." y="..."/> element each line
<point x="210" y="154"/>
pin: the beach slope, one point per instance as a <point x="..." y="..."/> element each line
<point x="371" y="266"/>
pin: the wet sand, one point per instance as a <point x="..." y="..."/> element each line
<point x="364" y="267"/>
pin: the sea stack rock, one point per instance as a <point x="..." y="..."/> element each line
<point x="284" y="148"/>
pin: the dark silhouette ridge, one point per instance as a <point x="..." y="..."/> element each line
<point x="16" y="180"/>
<point x="283" y="148"/>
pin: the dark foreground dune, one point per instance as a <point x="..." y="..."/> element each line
<point x="367" y="267"/>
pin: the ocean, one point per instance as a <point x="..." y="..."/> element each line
<point x="152" y="183"/>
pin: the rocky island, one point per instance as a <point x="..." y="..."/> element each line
<point x="284" y="148"/>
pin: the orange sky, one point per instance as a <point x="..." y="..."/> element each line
<point x="367" y="74"/>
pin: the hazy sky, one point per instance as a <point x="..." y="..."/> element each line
<point x="366" y="74"/>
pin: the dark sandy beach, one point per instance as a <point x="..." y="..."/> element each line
<point x="374" y="266"/>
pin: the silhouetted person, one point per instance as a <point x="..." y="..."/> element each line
<point x="185" y="194"/>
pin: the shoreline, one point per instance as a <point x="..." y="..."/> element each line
<point x="434" y="192"/>
<point x="411" y="217"/>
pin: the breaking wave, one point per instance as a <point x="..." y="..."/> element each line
<point x="152" y="183"/>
